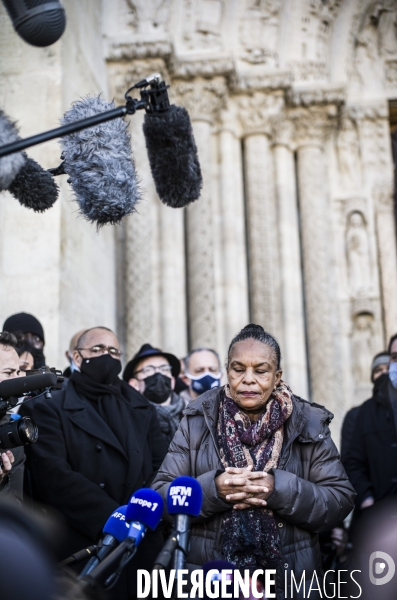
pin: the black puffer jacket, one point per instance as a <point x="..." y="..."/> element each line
<point x="311" y="494"/>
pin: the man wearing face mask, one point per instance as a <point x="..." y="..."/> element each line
<point x="69" y="354"/>
<point x="371" y="458"/>
<point x="202" y="372"/>
<point x="99" y="442"/>
<point x="153" y="372"/>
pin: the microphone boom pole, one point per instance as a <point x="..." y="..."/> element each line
<point x="154" y="99"/>
<point x="120" y="111"/>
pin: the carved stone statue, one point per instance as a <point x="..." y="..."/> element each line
<point x="367" y="57"/>
<point x="259" y="29"/>
<point x="349" y="155"/>
<point x="358" y="256"/>
<point x="362" y="350"/>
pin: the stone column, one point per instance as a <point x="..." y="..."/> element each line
<point x="203" y="101"/>
<point x="294" y="347"/>
<point x="386" y="238"/>
<point x="142" y="284"/>
<point x="172" y="280"/>
<point x="320" y="297"/>
<point x="262" y="234"/>
<point x="234" y="250"/>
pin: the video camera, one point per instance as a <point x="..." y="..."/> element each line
<point x="23" y="430"/>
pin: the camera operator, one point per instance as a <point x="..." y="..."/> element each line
<point x="11" y="471"/>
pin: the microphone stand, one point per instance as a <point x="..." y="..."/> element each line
<point x="152" y="100"/>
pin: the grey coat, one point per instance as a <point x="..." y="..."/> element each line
<point x="311" y="492"/>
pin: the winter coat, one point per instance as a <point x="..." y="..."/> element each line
<point x="79" y="466"/>
<point x="311" y="490"/>
<point x="371" y="459"/>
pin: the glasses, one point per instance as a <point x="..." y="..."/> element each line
<point x="101" y="349"/>
<point x="151" y="370"/>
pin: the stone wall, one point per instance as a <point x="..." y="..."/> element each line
<point x="54" y="265"/>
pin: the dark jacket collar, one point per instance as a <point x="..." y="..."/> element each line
<point x="73" y="401"/>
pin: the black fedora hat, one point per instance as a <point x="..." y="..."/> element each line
<point x="144" y="352"/>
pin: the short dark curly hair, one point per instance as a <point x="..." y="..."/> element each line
<point x="8" y="339"/>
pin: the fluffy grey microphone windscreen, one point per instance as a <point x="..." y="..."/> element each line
<point x="34" y="187"/>
<point x="173" y="158"/>
<point x="9" y="165"/>
<point x="99" y="163"/>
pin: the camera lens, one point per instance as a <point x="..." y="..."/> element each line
<point x="18" y="433"/>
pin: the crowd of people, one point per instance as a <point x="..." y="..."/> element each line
<point x="276" y="492"/>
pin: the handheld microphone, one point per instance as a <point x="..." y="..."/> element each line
<point x="9" y="165"/>
<point x="184" y="500"/>
<point x="116" y="530"/>
<point x="144" y="512"/>
<point x="99" y="163"/>
<point x="172" y="154"/>
<point x="39" y="23"/>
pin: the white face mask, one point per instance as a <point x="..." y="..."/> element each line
<point x="393" y="374"/>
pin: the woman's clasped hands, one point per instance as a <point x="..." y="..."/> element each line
<point x="244" y="488"/>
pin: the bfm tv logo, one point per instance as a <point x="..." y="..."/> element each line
<point x="381" y="568"/>
<point x="179" y="495"/>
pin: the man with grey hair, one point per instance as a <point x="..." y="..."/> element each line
<point x="202" y="372"/>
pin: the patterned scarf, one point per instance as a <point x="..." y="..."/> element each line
<point x="250" y="537"/>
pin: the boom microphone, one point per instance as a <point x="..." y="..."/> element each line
<point x="9" y="165"/>
<point x="184" y="500"/>
<point x="172" y="154"/>
<point x="34" y="187"/>
<point x="116" y="530"/>
<point x="144" y="512"/>
<point x="39" y="23"/>
<point x="99" y="163"/>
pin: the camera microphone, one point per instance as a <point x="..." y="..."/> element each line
<point x="17" y="386"/>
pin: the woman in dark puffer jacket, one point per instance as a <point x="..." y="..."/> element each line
<point x="270" y="472"/>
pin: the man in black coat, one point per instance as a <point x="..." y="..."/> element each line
<point x="371" y="458"/>
<point x="99" y="441"/>
<point x="380" y="365"/>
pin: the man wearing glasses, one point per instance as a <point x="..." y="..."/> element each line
<point x="153" y="372"/>
<point x="99" y="441"/>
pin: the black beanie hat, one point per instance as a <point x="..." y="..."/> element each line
<point x="25" y="323"/>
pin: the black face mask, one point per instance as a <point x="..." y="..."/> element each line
<point x="157" y="388"/>
<point x="102" y="369"/>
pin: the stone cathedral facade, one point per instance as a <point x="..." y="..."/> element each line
<point x="292" y="105"/>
